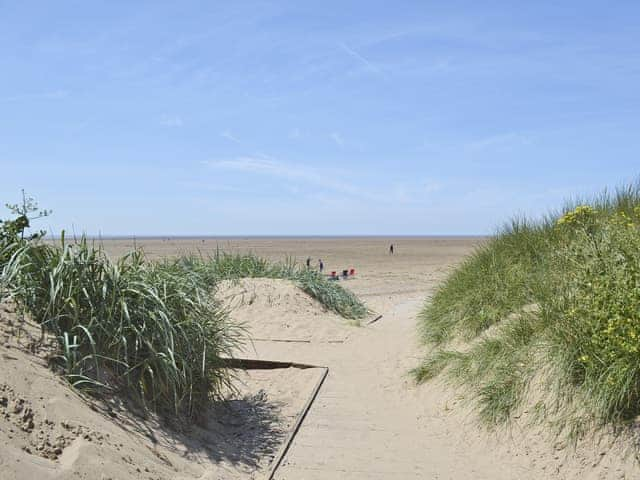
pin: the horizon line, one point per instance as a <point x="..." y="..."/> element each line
<point x="276" y="236"/>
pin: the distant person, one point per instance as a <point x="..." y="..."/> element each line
<point x="391" y="249"/>
<point x="320" y="265"/>
<point x="308" y="262"/>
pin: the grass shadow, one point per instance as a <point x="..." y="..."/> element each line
<point x="244" y="431"/>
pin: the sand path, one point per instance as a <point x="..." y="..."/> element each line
<point x="370" y="421"/>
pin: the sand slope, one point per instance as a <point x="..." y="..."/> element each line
<point x="369" y="421"/>
<point x="273" y="309"/>
<point x="49" y="431"/>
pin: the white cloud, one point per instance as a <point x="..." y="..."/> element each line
<point x="360" y="58"/>
<point x="295" y="133"/>
<point x="412" y="192"/>
<point x="324" y="179"/>
<point x="171" y="121"/>
<point x="501" y="141"/>
<point x="336" y="137"/>
<point x="432" y="187"/>
<point x="260" y="165"/>
<point x="52" y="95"/>
<point x="230" y="136"/>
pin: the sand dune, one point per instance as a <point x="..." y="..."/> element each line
<point x="48" y="431"/>
<point x="369" y="420"/>
<point x="277" y="310"/>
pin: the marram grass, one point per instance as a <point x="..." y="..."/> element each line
<point x="553" y="304"/>
<point x="151" y="330"/>
<point x="227" y="266"/>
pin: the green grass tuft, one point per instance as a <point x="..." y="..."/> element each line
<point x="149" y="329"/>
<point x="226" y="266"/>
<point x="556" y="302"/>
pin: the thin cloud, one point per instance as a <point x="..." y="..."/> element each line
<point x="53" y="95"/>
<point x="171" y="121"/>
<point x="260" y="165"/>
<point x="432" y="187"/>
<point x="325" y="180"/>
<point x="230" y="136"/>
<point x="502" y="141"/>
<point x="360" y="58"/>
<point x="336" y="137"/>
<point x="295" y="133"/>
<point x="413" y="192"/>
<point x="312" y="176"/>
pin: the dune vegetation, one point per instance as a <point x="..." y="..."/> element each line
<point x="544" y="318"/>
<point x="227" y="266"/>
<point x="149" y="330"/>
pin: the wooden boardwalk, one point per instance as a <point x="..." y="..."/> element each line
<point x="370" y="422"/>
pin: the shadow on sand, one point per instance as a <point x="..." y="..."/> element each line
<point x="245" y="432"/>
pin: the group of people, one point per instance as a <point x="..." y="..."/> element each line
<point x="321" y="263"/>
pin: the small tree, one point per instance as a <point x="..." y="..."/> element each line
<point x="13" y="231"/>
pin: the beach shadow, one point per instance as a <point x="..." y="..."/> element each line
<point x="245" y="431"/>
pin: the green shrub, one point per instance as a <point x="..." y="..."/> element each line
<point x="148" y="328"/>
<point x="13" y="232"/>
<point x="496" y="280"/>
<point x="557" y="301"/>
<point x="596" y="328"/>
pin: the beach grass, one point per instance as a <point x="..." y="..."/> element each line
<point x="152" y="331"/>
<point x="554" y="304"/>
<point x="147" y="329"/>
<point x="230" y="266"/>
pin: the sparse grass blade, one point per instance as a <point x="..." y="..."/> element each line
<point x="556" y="301"/>
<point x="152" y="329"/>
<point x="226" y="266"/>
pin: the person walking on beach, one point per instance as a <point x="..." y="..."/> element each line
<point x="391" y="249"/>
<point x="308" y="263"/>
<point x="320" y="265"/>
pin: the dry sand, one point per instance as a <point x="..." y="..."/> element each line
<point x="369" y="420"/>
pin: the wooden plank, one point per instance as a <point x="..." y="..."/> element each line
<point x="254" y="364"/>
<point x="285" y="447"/>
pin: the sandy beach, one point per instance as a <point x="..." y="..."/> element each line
<point x="369" y="419"/>
<point x="276" y="240"/>
<point x="418" y="262"/>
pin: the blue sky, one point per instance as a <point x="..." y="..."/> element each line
<point x="314" y="117"/>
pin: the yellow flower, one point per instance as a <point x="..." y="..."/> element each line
<point x="581" y="212"/>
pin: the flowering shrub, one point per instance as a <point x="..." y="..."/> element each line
<point x="598" y="314"/>
<point x="562" y="299"/>
<point x="581" y="215"/>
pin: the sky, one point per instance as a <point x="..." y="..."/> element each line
<point x="314" y="118"/>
